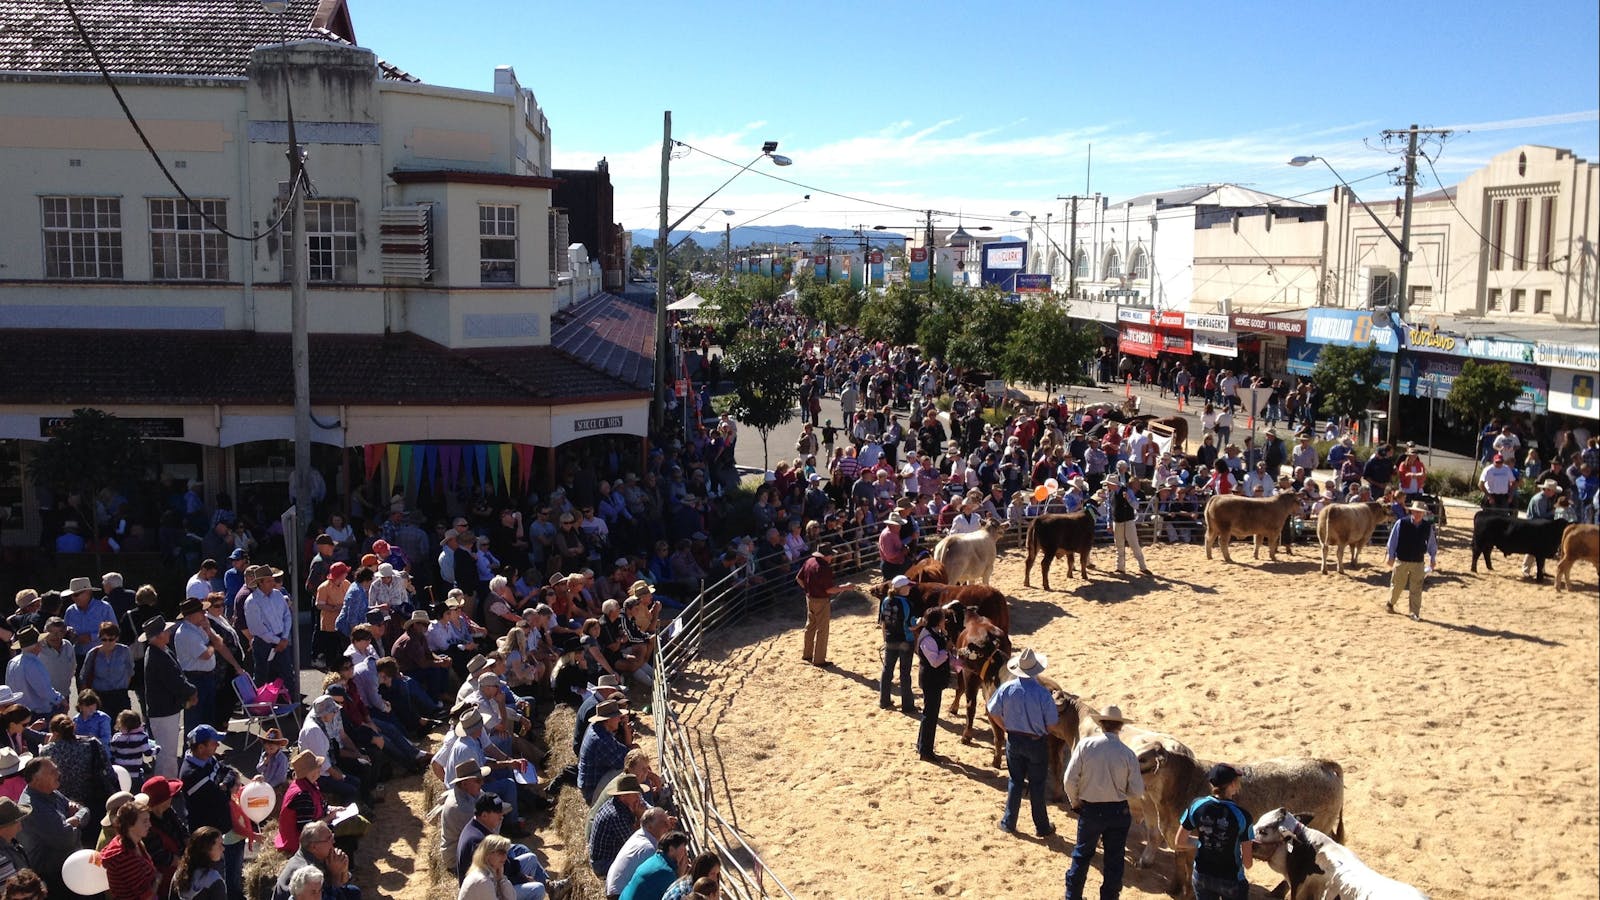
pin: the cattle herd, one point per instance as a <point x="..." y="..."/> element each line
<point x="1313" y="862"/>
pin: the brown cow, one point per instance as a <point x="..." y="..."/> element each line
<point x="983" y="649"/>
<point x="1341" y="525"/>
<point x="1229" y="516"/>
<point x="927" y="571"/>
<point x="1179" y="426"/>
<point x="1580" y="542"/>
<point x="1059" y="534"/>
<point x="989" y="602"/>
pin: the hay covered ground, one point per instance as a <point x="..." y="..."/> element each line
<point x="1470" y="740"/>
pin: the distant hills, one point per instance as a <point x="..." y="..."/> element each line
<point x="770" y="234"/>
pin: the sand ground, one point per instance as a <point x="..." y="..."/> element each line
<point x="1470" y="741"/>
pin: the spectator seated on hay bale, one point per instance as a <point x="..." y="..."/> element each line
<point x="317" y="850"/>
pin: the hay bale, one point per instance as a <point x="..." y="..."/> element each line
<point x="261" y="872"/>
<point x="571" y="820"/>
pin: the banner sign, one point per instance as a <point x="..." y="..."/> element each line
<point x="1573" y="393"/>
<point x="1002" y="262"/>
<point x="1354" y="328"/>
<point x="1215" y="342"/>
<point x="1033" y="284"/>
<point x="1567" y="356"/>
<point x="1148" y="342"/>
<point x="145" y="426"/>
<point x="1269" y="325"/>
<point x="1133" y="316"/>
<point x="1205" y="322"/>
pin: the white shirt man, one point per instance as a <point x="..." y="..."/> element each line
<point x="639" y="847"/>
<point x="1498" y="478"/>
<point x="1259" y="483"/>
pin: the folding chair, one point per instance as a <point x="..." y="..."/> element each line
<point x="257" y="711"/>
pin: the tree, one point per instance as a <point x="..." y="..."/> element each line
<point x="986" y="324"/>
<point x="940" y="320"/>
<point x="92" y="450"/>
<point x="891" y="316"/>
<point x="1045" y="347"/>
<point x="1348" y="379"/>
<point x="1483" y="391"/>
<point x="766" y="383"/>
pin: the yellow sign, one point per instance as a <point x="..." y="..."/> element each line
<point x="1428" y="339"/>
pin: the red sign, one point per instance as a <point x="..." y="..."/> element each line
<point x="919" y="254"/>
<point x="1167" y="319"/>
<point x="1138" y="340"/>
<point x="876" y="258"/>
<point x="1270" y="325"/>
<point x="819" y="260"/>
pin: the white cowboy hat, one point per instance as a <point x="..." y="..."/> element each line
<point x="1027" y="664"/>
<point x="1112" y="713"/>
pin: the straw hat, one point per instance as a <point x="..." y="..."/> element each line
<point x="1028" y="664"/>
<point x="306" y="761"/>
<point x="1112" y="713"/>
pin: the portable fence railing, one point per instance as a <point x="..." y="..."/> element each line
<point x="746" y="876"/>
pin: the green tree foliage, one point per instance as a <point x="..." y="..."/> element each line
<point x="940" y="320"/>
<point x="1046" y="347"/>
<point x="987" y="320"/>
<point x="766" y="383"/>
<point x="1348" y="379"/>
<point x="1483" y="391"/>
<point x="891" y="316"/>
<point x="91" y="450"/>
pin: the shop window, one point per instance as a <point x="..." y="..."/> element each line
<point x="1495" y="301"/>
<point x="1517" y="298"/>
<point x="82" y="237"/>
<point x="1541" y="302"/>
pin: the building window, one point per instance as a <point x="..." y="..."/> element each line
<point x="331" y="240"/>
<point x="1517" y="297"/>
<point x="1541" y="302"/>
<point x="1547" y="231"/>
<point x="183" y="247"/>
<point x="1494" y="299"/>
<point x="1421" y="296"/>
<point x="82" y="237"/>
<point x="497" y="244"/>
<point x="1519" y="261"/>
<point x="1141" y="265"/>
<point x="1497" y="235"/>
<point x="1081" y="262"/>
<point x="1113" y="264"/>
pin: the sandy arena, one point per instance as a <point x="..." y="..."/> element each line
<point x="1468" y="740"/>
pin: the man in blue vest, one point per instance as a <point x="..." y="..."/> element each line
<point x="894" y="616"/>
<point x="1409" y="540"/>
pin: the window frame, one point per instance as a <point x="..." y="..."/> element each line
<point x="334" y="242"/>
<point x="208" y="240"/>
<point x="499" y="237"/>
<point x="102" y="239"/>
<point x="1112" y="264"/>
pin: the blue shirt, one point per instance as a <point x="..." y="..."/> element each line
<point x="354" y="612"/>
<point x="1220" y="825"/>
<point x="88" y="620"/>
<point x="97" y="725"/>
<point x="1025" y="705"/>
<point x="601" y="755"/>
<point x="1433" y="541"/>
<point x="107" y="670"/>
<point x="651" y="879"/>
<point x="27" y="675"/>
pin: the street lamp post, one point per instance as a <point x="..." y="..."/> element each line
<point x="768" y="151"/>
<point x="1396" y="314"/>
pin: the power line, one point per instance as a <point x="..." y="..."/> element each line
<point x="105" y="75"/>
<point x="1495" y="248"/>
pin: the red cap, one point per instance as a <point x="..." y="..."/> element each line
<point x="1499" y="458"/>
<point x="338" y="571"/>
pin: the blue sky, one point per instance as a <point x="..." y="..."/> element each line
<point x="986" y="108"/>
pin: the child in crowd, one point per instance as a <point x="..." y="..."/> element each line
<point x="273" y="767"/>
<point x="131" y="747"/>
<point x="90" y="721"/>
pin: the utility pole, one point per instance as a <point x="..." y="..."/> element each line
<point x="727" y="249"/>
<point x="661" y="276"/>
<point x="1398" y="312"/>
<point x="299" y="318"/>
<point x="1072" y="244"/>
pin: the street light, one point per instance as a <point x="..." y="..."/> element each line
<point x="1393" y="316"/>
<point x="768" y="151"/>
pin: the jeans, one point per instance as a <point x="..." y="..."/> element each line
<point x="506" y="789"/>
<point x="525" y="872"/>
<point x="233" y="869"/>
<point x="341" y="791"/>
<point x="277" y="666"/>
<point x="1097" y="823"/>
<point x="934" y="681"/>
<point x="1207" y="887"/>
<point x="893" y="655"/>
<point x="1027" y="760"/>
<point x="205" y="701"/>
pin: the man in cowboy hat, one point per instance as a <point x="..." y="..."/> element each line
<point x="1541" y="505"/>
<point x="1102" y="777"/>
<point x="603" y="749"/>
<point x="456" y="809"/>
<point x="617" y="818"/>
<point x="816" y="580"/>
<point x="13" y="858"/>
<point x="607" y="687"/>
<point x="84" y="614"/>
<point x="271" y="625"/>
<point x="1409" y="540"/>
<point x="192" y="643"/>
<point x="1026" y="711"/>
<point x="167" y="693"/>
<point x="28" y="676"/>
<point x="416" y="659"/>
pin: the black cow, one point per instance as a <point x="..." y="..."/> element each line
<point x="1069" y="534"/>
<point x="1493" y="530"/>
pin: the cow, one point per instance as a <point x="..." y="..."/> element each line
<point x="927" y="571"/>
<point x="1341" y="525"/>
<point x="1178" y="426"/>
<point x="1319" y="868"/>
<point x="1580" y="542"/>
<point x="969" y="557"/>
<point x="957" y="599"/>
<point x="1230" y="515"/>
<point x="1172" y="781"/>
<point x="1056" y="534"/>
<point x="1539" y="538"/>
<point x="983" y="649"/>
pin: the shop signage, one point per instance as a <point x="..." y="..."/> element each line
<point x="1354" y="328"/>
<point x="1269" y="325"/>
<point x="1215" y="342"/>
<point x="1140" y="341"/>
<point x="1128" y="293"/>
<point x="1135" y="316"/>
<point x="1033" y="284"/>
<point x="147" y="427"/>
<point x="597" y="423"/>
<point x="1567" y="356"/>
<point x="1168" y="319"/>
<point x="919" y="254"/>
<point x="1204" y="322"/>
<point x="1573" y="393"/>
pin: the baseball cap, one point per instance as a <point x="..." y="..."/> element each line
<point x="1222" y="775"/>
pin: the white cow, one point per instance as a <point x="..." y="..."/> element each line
<point x="968" y="557"/>
<point x="1319" y="868"/>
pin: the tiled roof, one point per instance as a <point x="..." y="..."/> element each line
<point x="616" y="335"/>
<point x="64" y="366"/>
<point x="161" y="37"/>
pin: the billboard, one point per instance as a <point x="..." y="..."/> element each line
<point x="1002" y="262"/>
<point x="919" y="264"/>
<point x="1033" y="284"/>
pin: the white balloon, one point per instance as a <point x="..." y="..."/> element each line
<point x="124" y="779"/>
<point x="257" y="799"/>
<point x="84" y="874"/>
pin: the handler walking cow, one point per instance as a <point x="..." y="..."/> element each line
<point x="1101" y="778"/>
<point x="1409" y="540"/>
